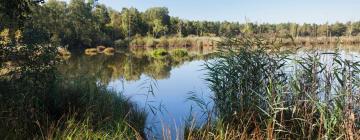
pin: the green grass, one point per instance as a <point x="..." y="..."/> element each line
<point x="67" y="108"/>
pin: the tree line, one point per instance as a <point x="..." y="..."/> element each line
<point x="81" y="23"/>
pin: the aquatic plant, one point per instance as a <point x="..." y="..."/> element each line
<point x="179" y="53"/>
<point x="259" y="95"/>
<point x="109" y="51"/>
<point x="91" y="51"/>
<point x="159" y="53"/>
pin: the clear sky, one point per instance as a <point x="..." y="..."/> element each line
<point x="271" y="11"/>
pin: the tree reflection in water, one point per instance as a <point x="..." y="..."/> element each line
<point x="128" y="66"/>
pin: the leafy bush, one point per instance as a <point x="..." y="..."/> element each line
<point x="179" y="53"/>
<point x="159" y="53"/>
<point x="109" y="51"/>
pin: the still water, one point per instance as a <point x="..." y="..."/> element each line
<point x="162" y="86"/>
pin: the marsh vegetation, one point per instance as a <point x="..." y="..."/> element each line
<point x="258" y="94"/>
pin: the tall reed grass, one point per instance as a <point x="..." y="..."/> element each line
<point x="173" y="42"/>
<point x="258" y="94"/>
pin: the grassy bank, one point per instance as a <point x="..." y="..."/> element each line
<point x="173" y="42"/>
<point x="210" y="43"/>
<point x="58" y="108"/>
<point x="258" y="95"/>
<point x="310" y="41"/>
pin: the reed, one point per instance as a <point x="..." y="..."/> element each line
<point x="258" y="94"/>
<point x="174" y="42"/>
<point x="308" y="41"/>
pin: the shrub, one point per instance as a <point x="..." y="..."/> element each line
<point x="109" y="51"/>
<point x="63" y="51"/>
<point x="91" y="51"/>
<point x="179" y="53"/>
<point x="100" y="49"/>
<point x="159" y="53"/>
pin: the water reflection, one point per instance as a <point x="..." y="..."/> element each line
<point x="133" y="73"/>
<point x="128" y="66"/>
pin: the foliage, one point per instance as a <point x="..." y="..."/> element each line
<point x="122" y="43"/>
<point x="158" y="20"/>
<point x="179" y="53"/>
<point x="36" y="103"/>
<point x="159" y="53"/>
<point x="82" y="24"/>
<point x="243" y="72"/>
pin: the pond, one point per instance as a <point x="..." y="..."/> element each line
<point x="162" y="86"/>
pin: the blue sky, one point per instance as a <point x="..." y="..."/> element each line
<point x="270" y="11"/>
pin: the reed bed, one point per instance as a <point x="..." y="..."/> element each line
<point x="308" y="41"/>
<point x="173" y="42"/>
<point x="257" y="94"/>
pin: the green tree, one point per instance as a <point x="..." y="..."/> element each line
<point x="131" y="22"/>
<point x="338" y="29"/>
<point x="323" y="30"/>
<point x="158" y="20"/>
<point x="356" y="29"/>
<point x="102" y="15"/>
<point x="102" y="19"/>
<point x="305" y="30"/>
<point x="176" y="26"/>
<point x="115" y="25"/>
<point x="81" y="23"/>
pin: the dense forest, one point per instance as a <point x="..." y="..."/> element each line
<point x="85" y="24"/>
